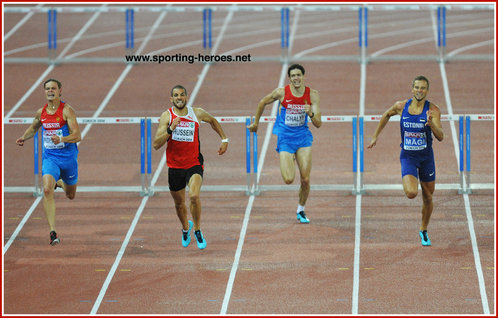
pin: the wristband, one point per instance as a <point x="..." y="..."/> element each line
<point x="169" y="131"/>
<point x="60" y="139"/>
<point x="312" y="115"/>
<point x="225" y="140"/>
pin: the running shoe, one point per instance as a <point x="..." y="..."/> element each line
<point x="186" y="234"/>
<point x="424" y="238"/>
<point x="201" y="242"/>
<point x="54" y="239"/>
<point x="301" y="217"/>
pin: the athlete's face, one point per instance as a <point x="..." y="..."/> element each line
<point x="296" y="78"/>
<point x="179" y="98"/>
<point x="52" y="91"/>
<point x="419" y="90"/>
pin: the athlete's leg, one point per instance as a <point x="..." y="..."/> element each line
<point x="48" y="200"/>
<point x="181" y="208"/>
<point x="410" y="186"/>
<point x="303" y="158"/>
<point x="427" y="206"/>
<point x="194" y="185"/>
<point x="70" y="190"/>
<point x="287" y="167"/>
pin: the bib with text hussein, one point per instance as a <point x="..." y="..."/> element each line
<point x="185" y="132"/>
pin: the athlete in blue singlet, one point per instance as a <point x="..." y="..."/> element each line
<point x="60" y="133"/>
<point x="420" y="119"/>
<point x="298" y="105"/>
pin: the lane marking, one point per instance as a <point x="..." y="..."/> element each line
<point x="250" y="203"/>
<point x="20" y="23"/>
<point x="21" y="225"/>
<point x="51" y="67"/>
<point x="470" y="221"/>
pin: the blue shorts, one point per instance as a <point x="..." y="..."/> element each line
<point x="292" y="144"/>
<point x="61" y="168"/>
<point x="422" y="168"/>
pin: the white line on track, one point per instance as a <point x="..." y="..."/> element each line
<point x="51" y="67"/>
<point x="19" y="103"/>
<point x="356" y="260"/>
<point x="21" y="224"/>
<point x="243" y="230"/>
<point x="468" y="212"/>
<point x="20" y="23"/>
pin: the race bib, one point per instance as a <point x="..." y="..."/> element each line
<point x="47" y="139"/>
<point x="414" y="141"/>
<point x="295" y="115"/>
<point x="185" y="131"/>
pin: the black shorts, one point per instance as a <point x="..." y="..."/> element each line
<point x="179" y="178"/>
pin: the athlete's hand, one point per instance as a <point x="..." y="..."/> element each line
<point x="175" y="123"/>
<point x="373" y="142"/>
<point x="307" y="108"/>
<point x="56" y="139"/>
<point x="223" y="148"/>
<point x="429" y="118"/>
<point x="20" y="141"/>
<point x="253" y="127"/>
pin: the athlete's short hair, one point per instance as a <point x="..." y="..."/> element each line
<point x="294" y="67"/>
<point x="59" y="84"/>
<point x="421" y="78"/>
<point x="180" y="87"/>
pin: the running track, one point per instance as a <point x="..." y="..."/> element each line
<point x="120" y="253"/>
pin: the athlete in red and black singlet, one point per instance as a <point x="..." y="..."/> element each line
<point x="183" y="149"/>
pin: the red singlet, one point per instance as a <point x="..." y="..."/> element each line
<point x="183" y="149"/>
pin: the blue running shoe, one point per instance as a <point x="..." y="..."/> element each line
<point x="186" y="234"/>
<point x="301" y="217"/>
<point x="201" y="242"/>
<point x="424" y="238"/>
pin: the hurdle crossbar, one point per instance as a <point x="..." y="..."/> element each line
<point x="253" y="187"/>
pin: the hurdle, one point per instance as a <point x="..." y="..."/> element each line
<point x="464" y="186"/>
<point x="362" y="16"/>
<point x="130" y="29"/>
<point x="363" y="32"/>
<point x="441" y="31"/>
<point x="253" y="187"/>
<point x="52" y="33"/>
<point x="207" y="29"/>
<point x="284" y="32"/>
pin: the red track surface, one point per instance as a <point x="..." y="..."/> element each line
<point x="284" y="267"/>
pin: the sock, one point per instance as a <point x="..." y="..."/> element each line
<point x="300" y="208"/>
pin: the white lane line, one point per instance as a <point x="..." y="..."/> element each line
<point x="250" y="203"/>
<point x="47" y="71"/>
<point x="20" y="24"/>
<point x="117" y="261"/>
<point x="50" y="68"/>
<point x="356" y="266"/>
<point x="122" y="250"/>
<point x="356" y="260"/>
<point x="123" y="75"/>
<point x="235" y="265"/>
<point x="283" y="75"/>
<point x="21" y="225"/>
<point x="468" y="212"/>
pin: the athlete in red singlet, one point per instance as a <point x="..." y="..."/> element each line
<point x="60" y="133"/>
<point x="298" y="105"/>
<point x="179" y="128"/>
